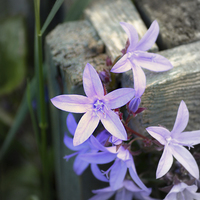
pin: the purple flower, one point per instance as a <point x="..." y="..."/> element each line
<point x="173" y="144"/>
<point x="80" y="165"/>
<point x="127" y="191"/>
<point x="123" y="160"/>
<point x="96" y="107"/>
<point x="183" y="191"/>
<point x="136" y="57"/>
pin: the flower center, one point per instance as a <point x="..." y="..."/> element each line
<point x="98" y="105"/>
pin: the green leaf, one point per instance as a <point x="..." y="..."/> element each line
<point x="51" y="15"/>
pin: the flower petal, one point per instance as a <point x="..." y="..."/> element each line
<point x="113" y="125"/>
<point x="165" y="162"/>
<point x="139" y="80"/>
<point x="149" y="38"/>
<point x="71" y="124"/>
<point x="159" y="133"/>
<point x="97" y="173"/>
<point x="98" y="158"/>
<point x="132" y="35"/>
<point x="189" y="138"/>
<point x="122" y="65"/>
<point x="104" y="196"/>
<point x="91" y="82"/>
<point x="71" y="103"/>
<point x="182" y="119"/>
<point x="152" y="61"/>
<point x="117" y="174"/>
<point x="186" y="159"/>
<point x="85" y="128"/>
<point x="96" y="144"/>
<point x="119" y="97"/>
<point x="131" y="186"/>
<point x="68" y="141"/>
<point x="136" y="178"/>
<point x="79" y="165"/>
<point x="123" y="194"/>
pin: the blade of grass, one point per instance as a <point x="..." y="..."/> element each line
<point x="76" y="10"/>
<point x="21" y="113"/>
<point x="51" y="15"/>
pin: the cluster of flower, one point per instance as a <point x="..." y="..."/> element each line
<point x="112" y="144"/>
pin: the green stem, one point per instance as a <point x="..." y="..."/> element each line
<point x="42" y="116"/>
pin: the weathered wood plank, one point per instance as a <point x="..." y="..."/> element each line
<point x="165" y="90"/>
<point x="105" y="16"/>
<point x="179" y="20"/>
<point x="68" y="48"/>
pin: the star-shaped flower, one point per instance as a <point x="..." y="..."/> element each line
<point x="183" y="191"/>
<point x="173" y="144"/>
<point x="127" y="191"/>
<point x="137" y="57"/>
<point x="96" y="107"/>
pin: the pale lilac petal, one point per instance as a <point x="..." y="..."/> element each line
<point x="165" y="162"/>
<point x="132" y="35"/>
<point x="123" y="194"/>
<point x="152" y="61"/>
<point x="137" y="180"/>
<point x="170" y="196"/>
<point x="69" y="143"/>
<point x="182" y="119"/>
<point x="131" y="186"/>
<point x="122" y="65"/>
<point x="113" y="125"/>
<point x="98" y="158"/>
<point x="117" y="174"/>
<point x="187" y="191"/>
<point x="85" y="128"/>
<point x="119" y="97"/>
<point x="97" y="173"/>
<point x="103" y="136"/>
<point x="186" y="159"/>
<point x="104" y="190"/>
<point x="91" y="82"/>
<point x="71" y="124"/>
<point x="190" y="194"/>
<point x="139" y="80"/>
<point x="71" y="103"/>
<point x="79" y="165"/>
<point x="159" y="133"/>
<point x="102" y="196"/>
<point x="149" y="38"/>
<point x="189" y="138"/>
<point x="96" y="144"/>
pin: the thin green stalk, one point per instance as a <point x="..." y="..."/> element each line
<point x="42" y="118"/>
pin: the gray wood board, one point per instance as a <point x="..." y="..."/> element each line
<point x="178" y="19"/>
<point x="165" y="90"/>
<point x="105" y="16"/>
<point x="68" y="48"/>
